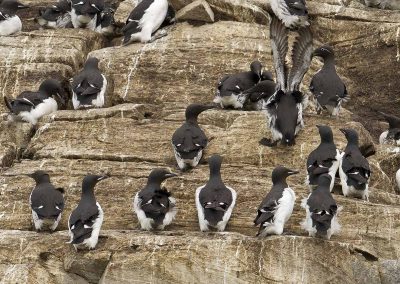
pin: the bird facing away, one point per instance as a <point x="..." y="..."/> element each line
<point x="89" y="86"/>
<point x="189" y="140"/>
<point x="231" y="87"/>
<point x="154" y="205"/>
<point x="214" y="200"/>
<point x="328" y="89"/>
<point x="145" y="19"/>
<point x="324" y="159"/>
<point x="85" y="221"/>
<point x="354" y="169"/>
<point x="31" y="106"/>
<point x="277" y="207"/>
<point x="321" y="211"/>
<point x="392" y="135"/>
<point x="47" y="202"/>
<point x="284" y="109"/>
<point x="10" y="23"/>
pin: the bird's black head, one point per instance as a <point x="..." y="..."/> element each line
<point x="92" y="63"/>
<point x="40" y="176"/>
<point x="266" y="75"/>
<point x="394" y="121"/>
<point x="256" y="67"/>
<point x="157" y="176"/>
<point x="193" y="111"/>
<point x="53" y="12"/>
<point x="214" y="163"/>
<point x="324" y="181"/>
<point x="324" y="51"/>
<point x="12" y="6"/>
<point x="325" y="132"/>
<point x="51" y="87"/>
<point x="351" y="135"/>
<point x="90" y="181"/>
<point x="107" y="17"/>
<point x="280" y="173"/>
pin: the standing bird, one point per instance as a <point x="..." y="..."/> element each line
<point x="284" y="109"/>
<point x="89" y="86"/>
<point x="324" y="159"/>
<point x="392" y="135"/>
<point x="55" y="16"/>
<point x="321" y="210"/>
<point x="47" y="202"/>
<point x="30" y="106"/>
<point x="106" y="23"/>
<point x="10" y="23"/>
<point x="214" y="200"/>
<point x="354" y="170"/>
<point x="277" y="207"/>
<point x="293" y="13"/>
<point x="189" y="140"/>
<point x="86" y="13"/>
<point x="153" y="205"/>
<point x="85" y="221"/>
<point x="145" y="19"/>
<point x="328" y="89"/>
<point x="231" y="87"/>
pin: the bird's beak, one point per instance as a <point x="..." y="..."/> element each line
<point x="343" y="130"/>
<point x="102" y="177"/>
<point x="22" y="6"/>
<point x="171" y="175"/>
<point x="293" y="172"/>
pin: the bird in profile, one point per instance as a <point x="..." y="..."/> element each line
<point x="47" y="202"/>
<point x="277" y="207"/>
<point x="85" y="221"/>
<point x="10" y="23"/>
<point x="392" y="135"/>
<point x="154" y="205"/>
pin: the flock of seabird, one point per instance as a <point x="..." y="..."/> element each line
<point x="281" y="100"/>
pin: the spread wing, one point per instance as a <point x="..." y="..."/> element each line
<point x="279" y="45"/>
<point x="301" y="58"/>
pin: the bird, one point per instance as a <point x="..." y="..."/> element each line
<point x="55" y="16"/>
<point x="398" y="181"/>
<point x="85" y="13"/>
<point x="255" y="95"/>
<point x="383" y="4"/>
<point x="284" y="109"/>
<point x="85" y="221"/>
<point x="392" y="135"/>
<point x="106" y="23"/>
<point x="277" y="207"/>
<point x="324" y="159"/>
<point x="31" y="106"/>
<point x="89" y="86"/>
<point x="46" y="201"/>
<point x="328" y="89"/>
<point x="321" y="211"/>
<point x="214" y="200"/>
<point x="293" y="13"/>
<point x="230" y="87"/>
<point x="144" y="20"/>
<point x="189" y="140"/>
<point x="10" y="23"/>
<point x="154" y="206"/>
<point x="354" y="169"/>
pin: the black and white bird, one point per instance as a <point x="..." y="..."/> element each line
<point x="231" y="87"/>
<point x="31" y="106"/>
<point x="324" y="159"/>
<point x="89" y="86"/>
<point x="293" y="13"/>
<point x="10" y="23"/>
<point x="392" y="135"/>
<point x="55" y="16"/>
<point x="106" y="23"/>
<point x="47" y="202"/>
<point x="354" y="169"/>
<point x="328" y="89"/>
<point x="145" y="19"/>
<point x="85" y="13"/>
<point x="277" y="207"/>
<point x="398" y="181"/>
<point x="260" y="92"/>
<point x="189" y="140"/>
<point x="214" y="200"/>
<point x="154" y="205"/>
<point x="321" y="211"/>
<point x="85" y="221"/>
<point x="284" y="109"/>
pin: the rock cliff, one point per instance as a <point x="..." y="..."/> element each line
<point x="150" y="86"/>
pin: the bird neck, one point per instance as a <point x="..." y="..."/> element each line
<point x="192" y="120"/>
<point x="280" y="183"/>
<point x="329" y="63"/>
<point x="88" y="194"/>
<point x="43" y="179"/>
